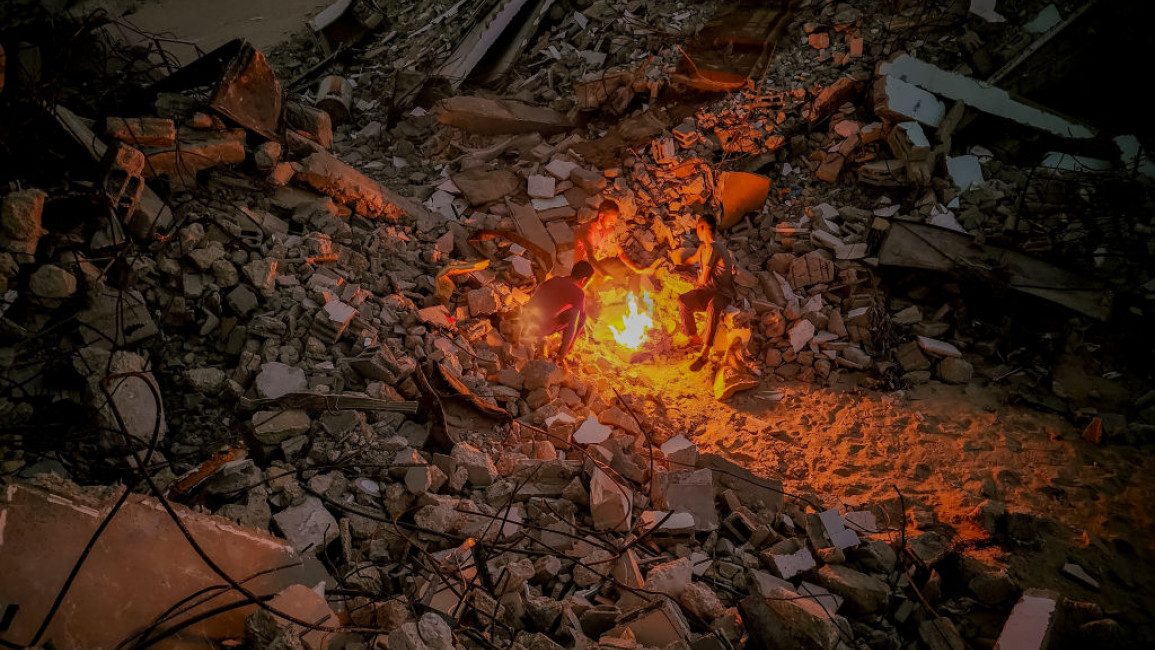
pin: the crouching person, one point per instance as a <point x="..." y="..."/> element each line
<point x="558" y="306"/>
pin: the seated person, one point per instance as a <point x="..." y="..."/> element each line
<point x="598" y="243"/>
<point x="558" y="305"/>
<point x="713" y="287"/>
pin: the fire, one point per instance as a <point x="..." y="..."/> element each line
<point x="635" y="324"/>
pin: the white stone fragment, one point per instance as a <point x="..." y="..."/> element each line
<point x="560" y="169"/>
<point x="542" y="205"/>
<point x="592" y="432"/>
<point x="610" y="504"/>
<point x="1047" y="18"/>
<point x="794" y="563"/>
<point x="937" y="348"/>
<point x="680" y="451"/>
<point x="277" y="379"/>
<point x="1029" y="625"/>
<point x="801" y="333"/>
<point x="839" y="535"/>
<point x="541" y="187"/>
<point x="965" y="171"/>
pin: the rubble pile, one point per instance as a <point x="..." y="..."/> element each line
<point x="313" y="333"/>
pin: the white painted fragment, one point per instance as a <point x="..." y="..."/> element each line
<point x="965" y="171"/>
<point x="976" y="94"/>
<point x="985" y="9"/>
<point x="839" y="535"/>
<point x="1065" y="162"/>
<point x="912" y="102"/>
<point x="1047" y="18"/>
<point x="1029" y="626"/>
<point x="550" y="203"/>
<point x="591" y="432"/>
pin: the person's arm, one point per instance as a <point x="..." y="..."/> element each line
<point x="707" y="261"/>
<point x="584" y="250"/>
<point x="633" y="266"/>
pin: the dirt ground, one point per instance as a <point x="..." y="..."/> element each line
<point x="212" y="23"/>
<point x="947" y="449"/>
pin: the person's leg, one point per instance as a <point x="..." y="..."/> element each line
<point x="578" y="327"/>
<point x="714" y="311"/>
<point x="689" y="303"/>
<point x="715" y="303"/>
<point x="569" y="323"/>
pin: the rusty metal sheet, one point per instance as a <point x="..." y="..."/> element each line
<point x="249" y="93"/>
<point x="243" y="86"/>
<point x="736" y="45"/>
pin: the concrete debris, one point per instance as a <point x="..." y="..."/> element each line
<point x="914" y="80"/>
<point x="141" y="131"/>
<point x="863" y="593"/>
<point x="58" y="518"/>
<point x="494" y="117"/>
<point x="326" y="173"/>
<point x="591" y="432"/>
<point x="309" y="526"/>
<point x="20" y="223"/>
<point x="327" y="334"/>
<point x="611" y="504"/>
<point x="1080" y="575"/>
<point x="1030" y="623"/>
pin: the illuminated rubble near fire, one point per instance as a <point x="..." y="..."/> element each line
<point x="576" y="325"/>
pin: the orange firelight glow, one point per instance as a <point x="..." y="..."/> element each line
<point x="635" y="324"/>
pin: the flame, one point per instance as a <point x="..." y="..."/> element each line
<point x="634" y="323"/>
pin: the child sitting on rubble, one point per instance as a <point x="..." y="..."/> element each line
<point x="599" y="243"/>
<point x="558" y="305"/>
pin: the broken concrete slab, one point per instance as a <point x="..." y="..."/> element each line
<point x="611" y="504"/>
<point x="325" y="173"/>
<point x="274" y="427"/>
<point x="592" y="432"/>
<point x="481" y="186"/>
<point x="670" y="577"/>
<point x="659" y="626"/>
<point x="530" y="227"/>
<point x="277" y="379"/>
<point x="836" y="531"/>
<point x="196" y="151"/>
<point x="496" y="116"/>
<point x="541" y="187"/>
<point x="758" y="492"/>
<point x="690" y="491"/>
<point x="864" y="594"/>
<point x="938" y="349"/>
<point x="141" y="131"/>
<point x="681" y="453"/>
<point x="141" y="550"/>
<point x="302" y="603"/>
<point x="477" y="464"/>
<point x="1030" y="622"/>
<point x="1079" y="575"/>
<point x="900" y="101"/>
<point x="965" y="171"/>
<point x="915" y="75"/>
<point x="309" y="527"/>
<point x="121" y="318"/>
<point x="807" y="623"/>
<point x="790" y="563"/>
<point x="929" y="247"/>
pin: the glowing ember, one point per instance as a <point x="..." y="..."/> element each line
<point x="634" y="324"/>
